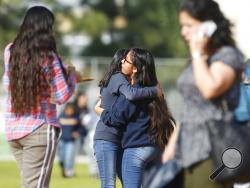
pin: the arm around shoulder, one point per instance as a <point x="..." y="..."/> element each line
<point x="120" y="113"/>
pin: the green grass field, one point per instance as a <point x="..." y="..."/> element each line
<point x="9" y="177"/>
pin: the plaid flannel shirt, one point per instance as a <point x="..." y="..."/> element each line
<point x="59" y="88"/>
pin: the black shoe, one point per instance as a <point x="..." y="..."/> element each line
<point x="62" y="169"/>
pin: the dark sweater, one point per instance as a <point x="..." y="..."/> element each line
<point x="67" y="130"/>
<point x="133" y="117"/>
<point x="118" y="84"/>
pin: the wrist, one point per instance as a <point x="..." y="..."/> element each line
<point x="196" y="55"/>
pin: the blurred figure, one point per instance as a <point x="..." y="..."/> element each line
<point x="35" y="80"/>
<point x="81" y="105"/>
<point x="90" y="121"/>
<point x="209" y="86"/>
<point x="69" y="122"/>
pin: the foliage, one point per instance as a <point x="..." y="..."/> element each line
<point x="152" y="24"/>
<point x="9" y="22"/>
<point x="95" y="23"/>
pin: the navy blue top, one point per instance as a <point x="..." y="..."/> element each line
<point x="133" y="118"/>
<point x="67" y="130"/>
<point x="118" y="84"/>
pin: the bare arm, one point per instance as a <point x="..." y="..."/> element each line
<point x="169" y="150"/>
<point x="213" y="80"/>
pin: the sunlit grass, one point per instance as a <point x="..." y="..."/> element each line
<point x="9" y="177"/>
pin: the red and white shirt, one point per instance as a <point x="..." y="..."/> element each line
<point x="61" y="90"/>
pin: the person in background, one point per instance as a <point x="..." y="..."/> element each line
<point x="81" y="105"/>
<point x="209" y="86"/>
<point x="35" y="80"/>
<point x="90" y="121"/>
<point x="107" y="139"/>
<point x="69" y="121"/>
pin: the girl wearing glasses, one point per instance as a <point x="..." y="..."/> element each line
<point x="145" y="124"/>
<point x="107" y="139"/>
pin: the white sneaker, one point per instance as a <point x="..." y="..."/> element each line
<point x="245" y="185"/>
<point x="69" y="173"/>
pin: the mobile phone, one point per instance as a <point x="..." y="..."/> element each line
<point x="207" y="28"/>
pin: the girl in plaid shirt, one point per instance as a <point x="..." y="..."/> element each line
<point x="36" y="81"/>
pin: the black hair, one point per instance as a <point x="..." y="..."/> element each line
<point x="32" y="47"/>
<point x="115" y="66"/>
<point x="162" y="121"/>
<point x="204" y="10"/>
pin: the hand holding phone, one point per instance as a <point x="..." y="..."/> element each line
<point x="207" y="28"/>
<point x="200" y="38"/>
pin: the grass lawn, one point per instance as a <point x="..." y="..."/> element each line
<point x="9" y="177"/>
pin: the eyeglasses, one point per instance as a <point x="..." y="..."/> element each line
<point x="125" y="60"/>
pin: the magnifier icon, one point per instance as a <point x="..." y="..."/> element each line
<point x="231" y="158"/>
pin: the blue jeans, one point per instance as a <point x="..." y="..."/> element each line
<point x="67" y="154"/>
<point x="108" y="157"/>
<point x="134" y="162"/>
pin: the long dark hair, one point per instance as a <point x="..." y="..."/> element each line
<point x="162" y="121"/>
<point x="204" y="10"/>
<point x="32" y="47"/>
<point x="115" y="66"/>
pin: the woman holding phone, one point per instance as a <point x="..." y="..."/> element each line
<point x="210" y="79"/>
